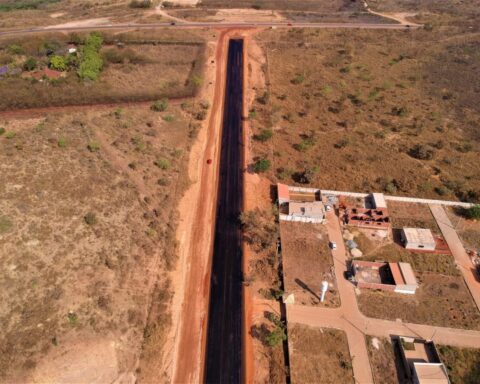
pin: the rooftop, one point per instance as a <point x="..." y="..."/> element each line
<point x="306" y="209"/>
<point x="431" y="373"/>
<point x="419" y="235"/>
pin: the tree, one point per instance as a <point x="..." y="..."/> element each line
<point x="276" y="336"/>
<point x="30" y="64"/>
<point x="58" y="63"/>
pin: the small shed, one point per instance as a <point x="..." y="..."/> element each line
<point x="418" y="239"/>
<point x="405" y="280"/>
<point x="379" y="201"/>
<point x="283" y="194"/>
<point x="430" y="373"/>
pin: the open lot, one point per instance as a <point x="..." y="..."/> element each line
<point x="463" y="364"/>
<point x="318" y="355"/>
<point x="387" y="111"/>
<point x="146" y="66"/>
<point x="382" y="359"/>
<point x="468" y="230"/>
<point x="296" y="5"/>
<point x="440" y="300"/>
<point x="87" y="232"/>
<point x="307" y="261"/>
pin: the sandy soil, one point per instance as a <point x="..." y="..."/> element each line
<point x="81" y="23"/>
<point x="241" y="15"/>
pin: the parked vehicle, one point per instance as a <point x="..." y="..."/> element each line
<point x="333" y="245"/>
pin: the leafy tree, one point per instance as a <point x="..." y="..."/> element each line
<point x="30" y="64"/>
<point x="276" y="336"/>
<point x="58" y="63"/>
<point x="91" y="63"/>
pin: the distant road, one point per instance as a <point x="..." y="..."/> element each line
<point x="186" y="25"/>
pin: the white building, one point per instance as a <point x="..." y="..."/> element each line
<point x="418" y="239"/>
<point x="379" y="201"/>
<point x="430" y="373"/>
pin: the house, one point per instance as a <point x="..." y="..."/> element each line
<point x="300" y="204"/>
<point x="418" y="239"/>
<point x="394" y="277"/>
<point x="421" y="361"/>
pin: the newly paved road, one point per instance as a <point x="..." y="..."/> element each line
<point x="224" y="338"/>
<point x="224" y="25"/>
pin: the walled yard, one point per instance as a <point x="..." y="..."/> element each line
<point x="380" y="115"/>
<point x="319" y="355"/>
<point x="468" y="230"/>
<point x="87" y="232"/>
<point x="307" y="261"/>
<point x="382" y="359"/>
<point x="439" y="300"/>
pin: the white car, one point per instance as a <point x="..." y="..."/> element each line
<point x="328" y="208"/>
<point x="333" y="245"/>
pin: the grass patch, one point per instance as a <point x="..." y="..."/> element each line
<point x="463" y="364"/>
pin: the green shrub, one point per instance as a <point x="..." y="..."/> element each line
<point x="58" y="63"/>
<point x="261" y="165"/>
<point x="91" y="63"/>
<point x="276" y="336"/>
<point x="2" y="131"/>
<point x="168" y="118"/>
<point x="420" y="152"/>
<point x="264" y="135"/>
<point x="196" y="80"/>
<point x="17" y="5"/>
<point x="5" y="224"/>
<point x="163" y="182"/>
<point x="163" y="163"/>
<point x="10" y="135"/>
<point x="30" y="64"/>
<point x="62" y="142"/>
<point x="160" y="105"/>
<point x="90" y="218"/>
<point x="93" y="146"/>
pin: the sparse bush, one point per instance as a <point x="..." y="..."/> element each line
<point x="265" y="98"/>
<point x="473" y="213"/>
<point x="201" y="115"/>
<point x="163" y="163"/>
<point x="298" y="79"/>
<point x="163" y="182"/>
<point x="90" y="218"/>
<point x="160" y="105"/>
<point x="264" y="135"/>
<point x="168" y="118"/>
<point x="15" y="49"/>
<point x="341" y="143"/>
<point x="93" y="146"/>
<point x="2" y="131"/>
<point x="196" y="80"/>
<point x="276" y="336"/>
<point x="10" y="135"/>
<point x="5" y="224"/>
<point x="141" y="4"/>
<point x="204" y="104"/>
<point x="259" y="228"/>
<point x="400" y="111"/>
<point x="261" y="165"/>
<point x="72" y="318"/>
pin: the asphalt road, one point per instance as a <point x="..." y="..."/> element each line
<point x="223" y="362"/>
<point x="186" y="25"/>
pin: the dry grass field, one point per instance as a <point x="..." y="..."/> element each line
<point x="467" y="230"/>
<point x="319" y="355"/>
<point x="87" y="233"/>
<point x="148" y="66"/>
<point x="382" y="359"/>
<point x="440" y="300"/>
<point x="295" y="5"/>
<point x="307" y="261"/>
<point x="372" y="111"/>
<point x="463" y="364"/>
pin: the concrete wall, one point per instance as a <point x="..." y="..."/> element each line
<point x="300" y="219"/>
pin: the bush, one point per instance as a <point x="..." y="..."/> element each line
<point x="298" y="79"/>
<point x="62" y="142"/>
<point x="163" y="163"/>
<point x="264" y="135"/>
<point x="197" y="81"/>
<point x="2" y="131"/>
<point x="10" y="135"/>
<point x="421" y="152"/>
<point x="168" y="118"/>
<point x="90" y="218"/>
<point x="261" y="165"/>
<point x="30" y="64"/>
<point x="141" y="4"/>
<point x="473" y="213"/>
<point x="276" y="336"/>
<point x="160" y="105"/>
<point x="5" y="224"/>
<point x="58" y="63"/>
<point x="15" y="49"/>
<point x="93" y="146"/>
<point x="91" y="63"/>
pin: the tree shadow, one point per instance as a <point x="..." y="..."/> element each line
<point x="304" y="286"/>
<point x="260" y="332"/>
